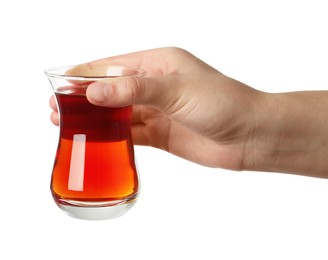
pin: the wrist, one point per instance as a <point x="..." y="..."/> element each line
<point x="289" y="133"/>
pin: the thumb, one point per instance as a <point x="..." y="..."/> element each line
<point x="159" y="92"/>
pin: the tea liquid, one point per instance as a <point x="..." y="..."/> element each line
<point x="95" y="158"/>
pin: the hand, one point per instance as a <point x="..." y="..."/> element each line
<point x="189" y="109"/>
<point x="182" y="105"/>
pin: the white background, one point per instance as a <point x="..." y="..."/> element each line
<point x="185" y="211"/>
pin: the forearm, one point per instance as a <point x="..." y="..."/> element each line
<point x="290" y="134"/>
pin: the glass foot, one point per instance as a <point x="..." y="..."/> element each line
<point x="95" y="210"/>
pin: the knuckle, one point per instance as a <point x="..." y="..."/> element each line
<point x="134" y="86"/>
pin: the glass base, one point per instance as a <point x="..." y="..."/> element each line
<point x="95" y="210"/>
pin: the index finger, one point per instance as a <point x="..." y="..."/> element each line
<point x="156" y="62"/>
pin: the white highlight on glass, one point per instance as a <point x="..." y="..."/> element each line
<point x="76" y="172"/>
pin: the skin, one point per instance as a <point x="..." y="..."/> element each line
<point x="186" y="107"/>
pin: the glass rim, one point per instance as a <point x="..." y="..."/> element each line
<point x="59" y="72"/>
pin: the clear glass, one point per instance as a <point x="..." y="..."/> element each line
<point x="94" y="175"/>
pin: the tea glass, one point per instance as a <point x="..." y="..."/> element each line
<point x="94" y="175"/>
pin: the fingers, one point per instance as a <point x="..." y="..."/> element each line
<point x="54" y="117"/>
<point x="156" y="62"/>
<point x="159" y="88"/>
